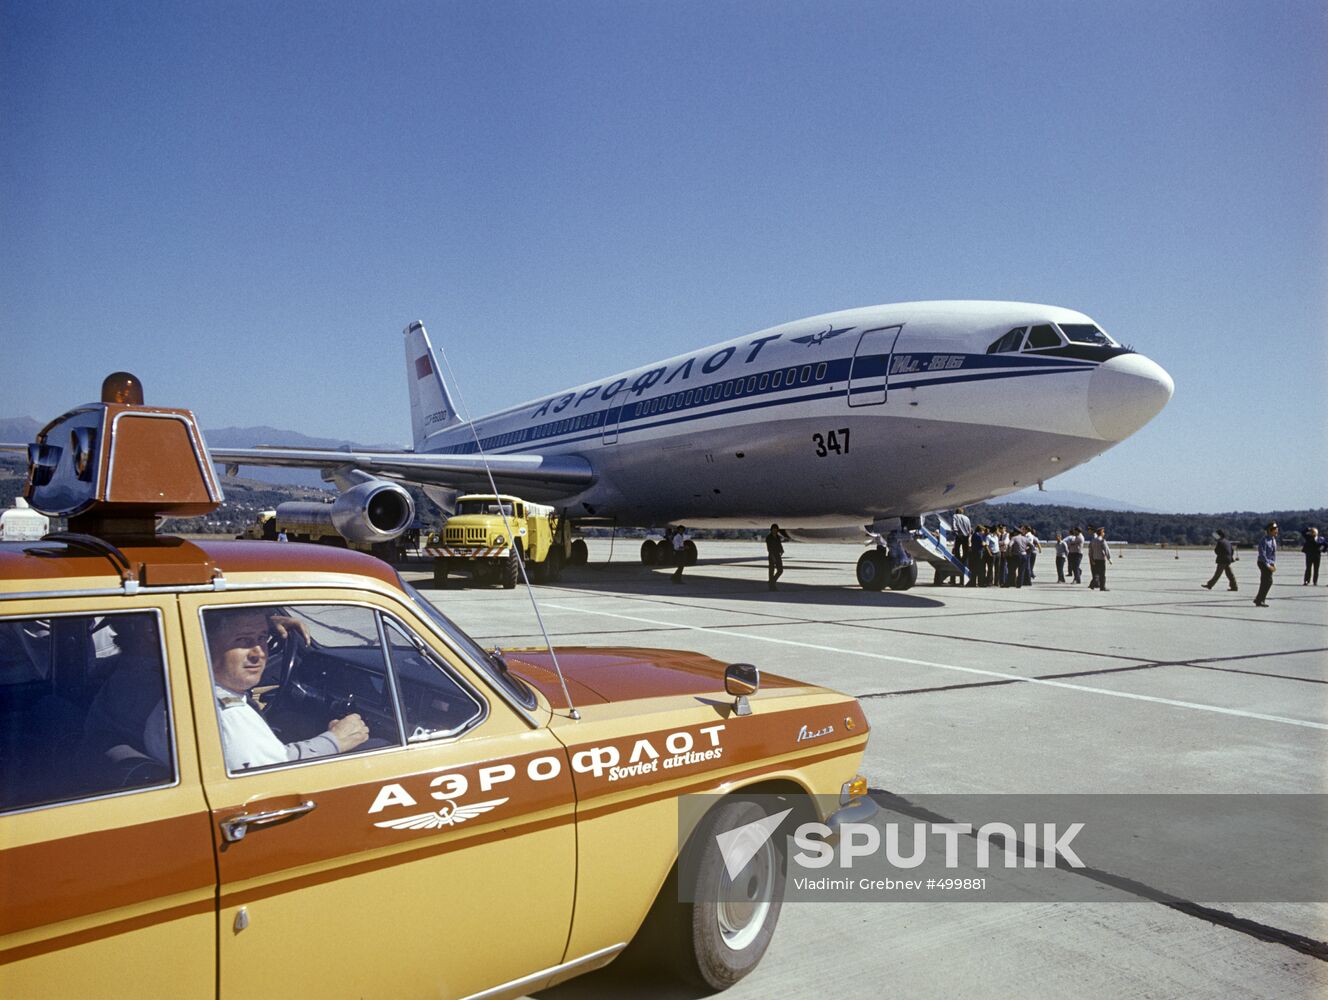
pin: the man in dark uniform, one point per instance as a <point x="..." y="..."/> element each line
<point x="1313" y="554"/>
<point x="1267" y="564"/>
<point x="1226" y="555"/>
<point x="774" y="555"/>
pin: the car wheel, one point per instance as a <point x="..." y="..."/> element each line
<point x="512" y="569"/>
<point x="728" y="928"/>
<point x="873" y="569"/>
<point x="904" y="577"/>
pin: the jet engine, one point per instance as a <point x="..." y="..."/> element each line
<point x="374" y="511"/>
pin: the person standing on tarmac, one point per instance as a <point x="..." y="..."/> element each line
<point x="1267" y="564"/>
<point x="774" y="555"/>
<point x="1061" y="552"/>
<point x="963" y="537"/>
<point x="679" y="552"/>
<point x="1226" y="555"/>
<point x="1074" y="551"/>
<point x="1099" y="554"/>
<point x="1313" y="553"/>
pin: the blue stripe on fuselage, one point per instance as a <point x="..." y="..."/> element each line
<point x="922" y="369"/>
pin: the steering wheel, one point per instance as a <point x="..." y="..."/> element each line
<point x="283" y="697"/>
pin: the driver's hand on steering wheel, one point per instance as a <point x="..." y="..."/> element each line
<point x="283" y="625"/>
<point x="349" y="731"/>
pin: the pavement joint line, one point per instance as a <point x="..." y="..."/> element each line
<point x="1106" y="692"/>
<point x="1222" y="918"/>
<point x="1198" y="663"/>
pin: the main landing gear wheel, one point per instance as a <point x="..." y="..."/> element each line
<point x="904" y="577"/>
<point x="580" y="553"/>
<point x="873" y="569"/>
<point x="649" y="555"/>
<point x="689" y="553"/>
<point x="724" y="933"/>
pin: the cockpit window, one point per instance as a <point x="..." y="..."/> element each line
<point x="1010" y="342"/>
<point x="1041" y="338"/>
<point x="1086" y="333"/>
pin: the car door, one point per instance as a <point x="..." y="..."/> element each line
<point x="435" y="859"/>
<point x="107" y="881"/>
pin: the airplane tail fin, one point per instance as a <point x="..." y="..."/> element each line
<point x="431" y="409"/>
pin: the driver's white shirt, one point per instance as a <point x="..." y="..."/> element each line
<point x="247" y="741"/>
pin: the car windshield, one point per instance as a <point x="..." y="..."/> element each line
<point x="492" y="666"/>
<point x="1086" y="333"/>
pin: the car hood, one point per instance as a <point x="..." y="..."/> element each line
<point x="606" y="674"/>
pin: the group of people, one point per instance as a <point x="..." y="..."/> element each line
<point x="1004" y="556"/>
<point x="1313" y="545"/>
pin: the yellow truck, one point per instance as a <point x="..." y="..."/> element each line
<point x="490" y="535"/>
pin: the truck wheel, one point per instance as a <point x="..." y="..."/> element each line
<point x="648" y="556"/>
<point x="440" y="573"/>
<point x="873" y="570"/>
<point x="553" y="566"/>
<point x="904" y="577"/>
<point x="580" y="553"/>
<point x="511" y="572"/>
<point x="689" y="553"/>
<point x="727" y="929"/>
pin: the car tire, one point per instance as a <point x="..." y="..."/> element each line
<point x="873" y="570"/>
<point x="727" y="929"/>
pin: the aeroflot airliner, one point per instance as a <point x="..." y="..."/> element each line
<point x="871" y="416"/>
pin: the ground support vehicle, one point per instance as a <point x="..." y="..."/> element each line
<point x="490" y="536"/>
<point x="237" y="768"/>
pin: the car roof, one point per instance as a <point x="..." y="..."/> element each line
<point x="166" y="561"/>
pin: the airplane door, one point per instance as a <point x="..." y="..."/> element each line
<point x="869" y="374"/>
<point x="613" y="416"/>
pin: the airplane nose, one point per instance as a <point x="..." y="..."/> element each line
<point x="1125" y="393"/>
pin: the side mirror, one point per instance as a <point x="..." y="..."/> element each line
<point x="740" y="680"/>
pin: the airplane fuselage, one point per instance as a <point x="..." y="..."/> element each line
<point x="839" y="419"/>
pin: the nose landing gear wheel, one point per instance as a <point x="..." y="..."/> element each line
<point x="873" y="570"/>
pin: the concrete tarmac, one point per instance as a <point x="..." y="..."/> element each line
<point x="1156" y="686"/>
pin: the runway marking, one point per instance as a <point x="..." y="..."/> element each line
<point x="1129" y="696"/>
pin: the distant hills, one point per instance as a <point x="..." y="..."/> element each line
<point x="1068" y="498"/>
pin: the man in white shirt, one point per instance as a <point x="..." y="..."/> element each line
<point x="237" y="644"/>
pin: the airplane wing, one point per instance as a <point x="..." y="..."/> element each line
<point x="535" y="475"/>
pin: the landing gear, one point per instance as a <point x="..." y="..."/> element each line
<point x="904" y="577"/>
<point x="580" y="554"/>
<point x="689" y="553"/>
<point x="876" y="571"/>
<point x="873" y="569"/>
<point x="650" y="552"/>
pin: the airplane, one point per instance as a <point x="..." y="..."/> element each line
<point x="868" y="417"/>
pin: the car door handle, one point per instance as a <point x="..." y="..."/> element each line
<point x="235" y="828"/>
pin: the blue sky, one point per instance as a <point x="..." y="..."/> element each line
<point x="245" y="203"/>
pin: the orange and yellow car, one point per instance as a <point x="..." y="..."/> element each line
<point x="244" y="769"/>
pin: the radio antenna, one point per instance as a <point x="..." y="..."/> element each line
<point x="572" y="713"/>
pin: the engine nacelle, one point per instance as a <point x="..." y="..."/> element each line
<point x="374" y="511"/>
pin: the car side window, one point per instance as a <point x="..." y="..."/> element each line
<point x="83" y="708"/>
<point x="434" y="703"/>
<point x="299" y="682"/>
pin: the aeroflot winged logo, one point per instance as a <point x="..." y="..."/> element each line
<point x="450" y="815"/>
<point x="817" y="339"/>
